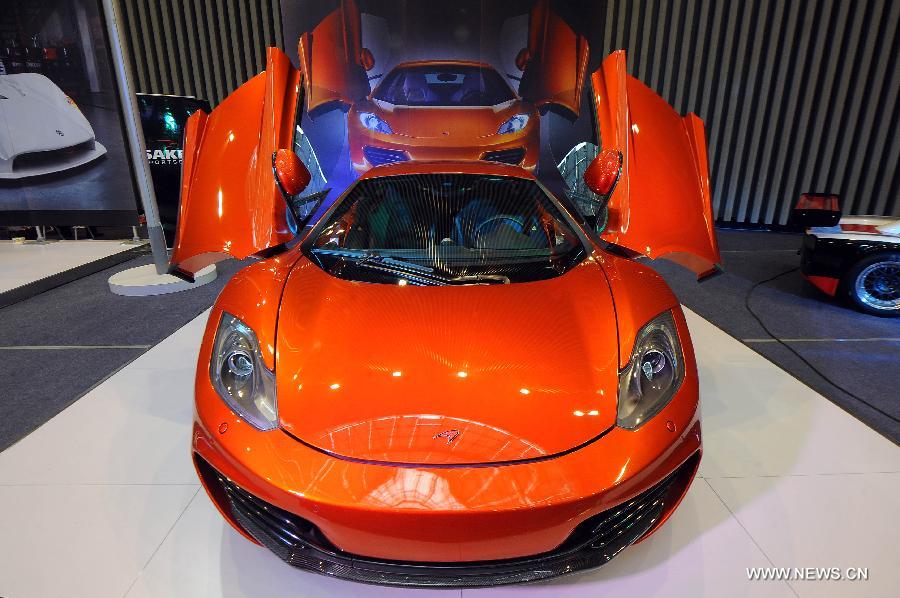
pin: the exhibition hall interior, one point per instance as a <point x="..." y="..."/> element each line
<point x="377" y="297"/>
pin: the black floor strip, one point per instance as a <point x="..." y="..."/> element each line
<point x="57" y="345"/>
<point x="43" y="285"/>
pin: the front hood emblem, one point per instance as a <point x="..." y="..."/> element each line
<point x="450" y="435"/>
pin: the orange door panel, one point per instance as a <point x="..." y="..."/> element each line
<point x="555" y="61"/>
<point x="661" y="205"/>
<point x="332" y="60"/>
<point x="230" y="204"/>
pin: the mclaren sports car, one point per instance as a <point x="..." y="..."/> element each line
<point x="443" y="110"/>
<point x="450" y="377"/>
<point x="41" y="128"/>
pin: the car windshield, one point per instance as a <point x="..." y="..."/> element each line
<point x="444" y="85"/>
<point x="442" y="229"/>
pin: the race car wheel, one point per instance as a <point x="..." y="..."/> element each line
<point x="872" y="284"/>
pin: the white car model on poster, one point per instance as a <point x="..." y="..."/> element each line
<point x="41" y="129"/>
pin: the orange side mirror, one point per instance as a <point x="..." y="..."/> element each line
<point x="290" y="173"/>
<point x="602" y="173"/>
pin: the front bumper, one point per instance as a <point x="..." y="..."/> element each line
<point x="591" y="544"/>
<point x="368" y="149"/>
<point x="39" y="163"/>
<point x="457" y="526"/>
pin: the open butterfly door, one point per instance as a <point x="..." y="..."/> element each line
<point x="661" y="205"/>
<point x="333" y="62"/>
<point x="554" y="63"/>
<point x="230" y="204"/>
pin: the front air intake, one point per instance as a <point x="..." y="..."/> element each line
<point x="592" y="543"/>
<point x="380" y="155"/>
<point x="512" y="156"/>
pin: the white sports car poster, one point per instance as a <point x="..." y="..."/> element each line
<point x="63" y="157"/>
<point x="44" y="130"/>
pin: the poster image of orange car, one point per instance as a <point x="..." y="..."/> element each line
<point x="439" y="108"/>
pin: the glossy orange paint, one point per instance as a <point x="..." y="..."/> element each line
<point x="372" y="380"/>
<point x="254" y="296"/>
<point x="527" y="370"/>
<point x="291" y="173"/>
<point x="632" y="284"/>
<point x="661" y="206"/>
<point x="443" y="132"/>
<point x="428" y="512"/>
<point x="230" y="204"/>
<point x="603" y="172"/>
<point x="555" y="61"/>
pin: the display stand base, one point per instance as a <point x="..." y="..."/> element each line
<point x="143" y="281"/>
<point x="135" y="238"/>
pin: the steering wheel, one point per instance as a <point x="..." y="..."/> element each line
<point x="516" y="224"/>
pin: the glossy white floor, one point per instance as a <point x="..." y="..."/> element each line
<point x="102" y="500"/>
<point x="21" y="264"/>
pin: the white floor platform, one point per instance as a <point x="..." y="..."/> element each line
<point x="21" y="264"/>
<point x="102" y="500"/>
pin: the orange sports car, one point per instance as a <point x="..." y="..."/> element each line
<point x="451" y="378"/>
<point x="442" y="109"/>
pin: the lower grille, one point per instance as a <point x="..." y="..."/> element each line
<point x="593" y="543"/>
<point x="508" y="156"/>
<point x="51" y="157"/>
<point x="379" y="155"/>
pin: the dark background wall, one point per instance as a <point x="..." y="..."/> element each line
<point x="796" y="95"/>
<point x="204" y="48"/>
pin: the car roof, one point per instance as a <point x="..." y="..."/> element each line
<point x="448" y="167"/>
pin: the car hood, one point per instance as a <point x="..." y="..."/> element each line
<point x="445" y="123"/>
<point x="35" y="116"/>
<point x="447" y="374"/>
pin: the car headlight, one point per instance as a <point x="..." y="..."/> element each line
<point x="514" y="124"/>
<point x="653" y="375"/>
<point x="240" y="375"/>
<point x="373" y="122"/>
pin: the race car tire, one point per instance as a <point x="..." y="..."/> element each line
<point x="872" y="285"/>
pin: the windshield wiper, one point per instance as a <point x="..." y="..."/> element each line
<point x="481" y="278"/>
<point x="416" y="274"/>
